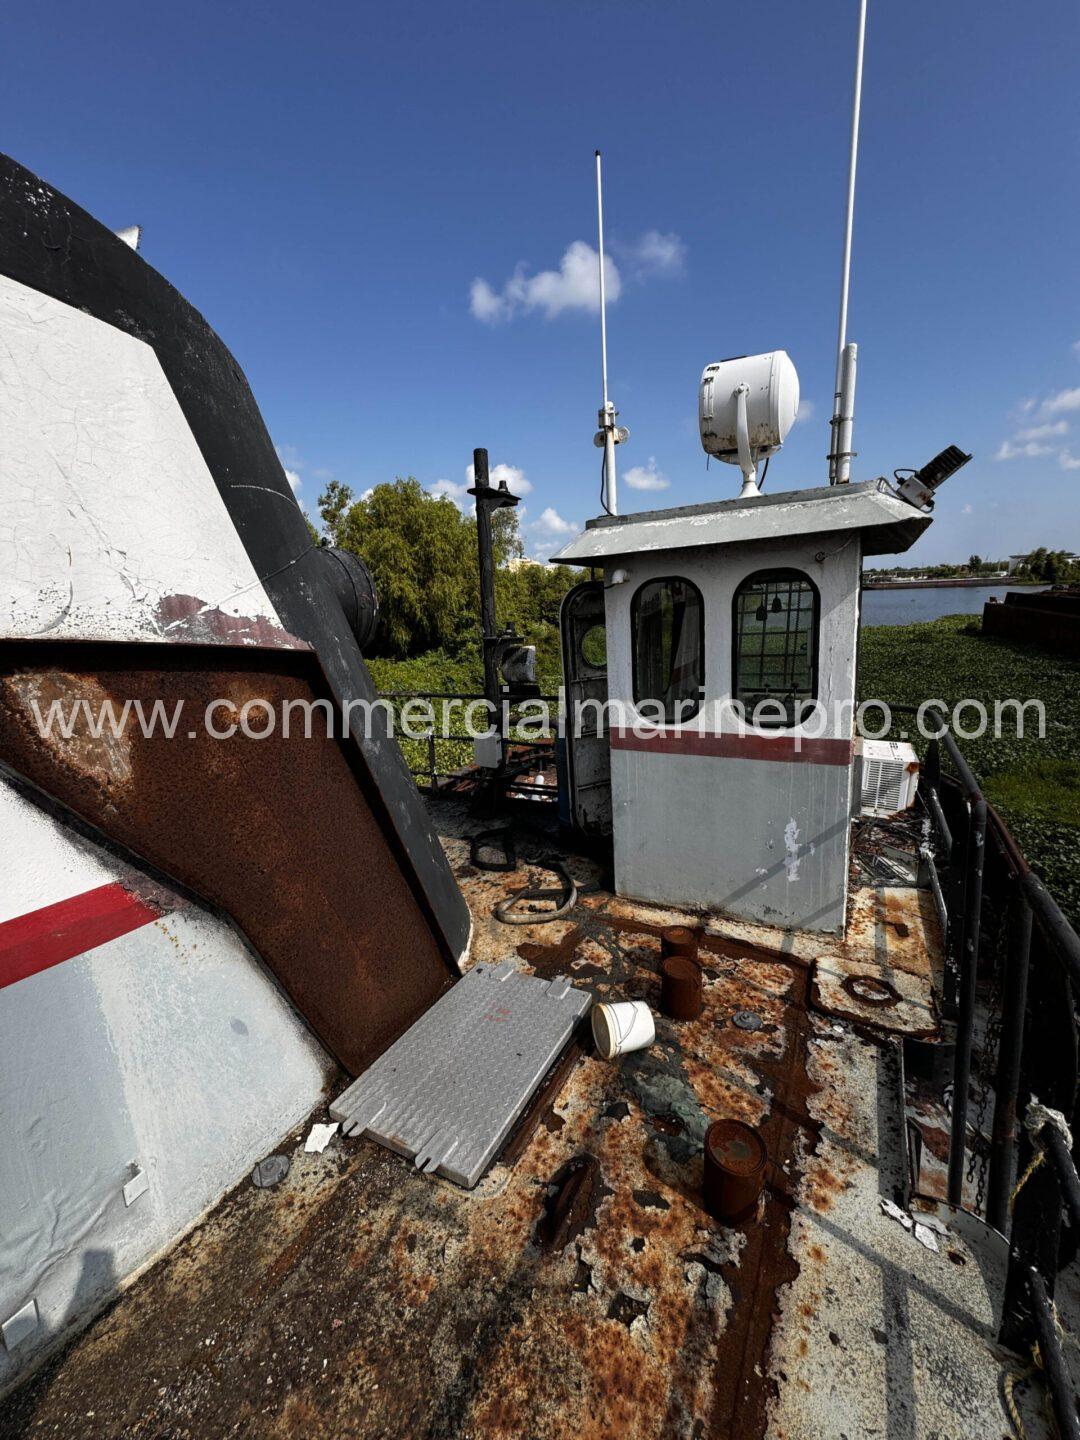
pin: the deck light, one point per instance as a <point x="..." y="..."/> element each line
<point x="917" y="486"/>
<point x="746" y="406"/>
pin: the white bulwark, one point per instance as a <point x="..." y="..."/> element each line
<point x="753" y="601"/>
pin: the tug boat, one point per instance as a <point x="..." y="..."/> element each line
<point x="210" y="937"/>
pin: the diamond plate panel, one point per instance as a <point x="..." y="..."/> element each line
<point x="447" y="1093"/>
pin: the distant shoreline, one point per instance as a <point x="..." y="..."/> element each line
<point x="996" y="581"/>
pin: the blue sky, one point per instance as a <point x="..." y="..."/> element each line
<point x="326" y="183"/>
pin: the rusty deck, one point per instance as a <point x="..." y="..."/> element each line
<point x="582" y="1289"/>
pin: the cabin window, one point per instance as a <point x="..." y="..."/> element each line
<point x="776" y="630"/>
<point x="668" y="620"/>
<point x="594" y="646"/>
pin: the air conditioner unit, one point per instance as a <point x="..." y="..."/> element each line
<point x="888" y="776"/>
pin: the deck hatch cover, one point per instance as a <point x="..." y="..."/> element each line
<point x="448" y="1092"/>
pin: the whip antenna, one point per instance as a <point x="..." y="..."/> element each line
<point x="609" y="435"/>
<point x="843" y="418"/>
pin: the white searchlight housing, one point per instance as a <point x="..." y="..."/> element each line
<point x="746" y="406"/>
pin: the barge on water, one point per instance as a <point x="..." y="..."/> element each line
<point x="210" y="936"/>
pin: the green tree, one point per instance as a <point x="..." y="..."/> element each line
<point x="421" y="553"/>
<point x="506" y="538"/>
<point x="334" y="504"/>
<point x="529" y="597"/>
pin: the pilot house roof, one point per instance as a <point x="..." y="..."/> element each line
<point x="888" y="524"/>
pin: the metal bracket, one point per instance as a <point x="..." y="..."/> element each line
<point x="742" y="438"/>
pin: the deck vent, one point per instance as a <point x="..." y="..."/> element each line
<point x="888" y="777"/>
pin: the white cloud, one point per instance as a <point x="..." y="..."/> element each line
<point x="512" y="474"/>
<point x="655" y="253"/>
<point x="1063" y="400"/>
<point x="574" y="286"/>
<point x="552" y="523"/>
<point x="967" y="510"/>
<point x="1027" y="450"/>
<point x="540" y="550"/>
<point x="292" y="464"/>
<point x="646" y="477"/>
<point x="1076" y="347"/>
<point x="485" y="304"/>
<point x="459" y="494"/>
<point x="1037" y="435"/>
<point x="1044" y="432"/>
<point x="805" y="411"/>
<point x="446" y="489"/>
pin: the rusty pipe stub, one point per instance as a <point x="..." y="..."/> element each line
<point x="678" y="940"/>
<point x="681" y="988"/>
<point x="735" y="1160"/>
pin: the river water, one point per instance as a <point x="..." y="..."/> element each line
<point x="905" y="607"/>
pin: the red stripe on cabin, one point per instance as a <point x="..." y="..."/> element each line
<point x="42" y="938"/>
<point x="788" y="748"/>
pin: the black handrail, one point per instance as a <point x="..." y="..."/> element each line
<point x="1066" y="1171"/>
<point x="1057" y="1371"/>
<point x="1028" y="1309"/>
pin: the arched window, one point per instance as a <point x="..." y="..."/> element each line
<point x="668" y="620"/>
<point x="776" y="645"/>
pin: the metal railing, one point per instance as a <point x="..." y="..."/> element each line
<point x="1034" y="979"/>
<point x="526" y="754"/>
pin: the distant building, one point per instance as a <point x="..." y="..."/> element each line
<point x="520" y="561"/>
<point x="1017" y="560"/>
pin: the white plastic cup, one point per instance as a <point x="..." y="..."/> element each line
<point x="621" y="1026"/>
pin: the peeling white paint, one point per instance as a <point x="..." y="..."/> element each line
<point x="791" y="846"/>
<point x="107" y="507"/>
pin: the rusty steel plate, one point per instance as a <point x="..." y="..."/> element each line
<point x="448" y="1092"/>
<point x="878" y="995"/>
<point x="285" y="836"/>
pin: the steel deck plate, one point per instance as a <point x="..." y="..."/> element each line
<point x="448" y="1092"/>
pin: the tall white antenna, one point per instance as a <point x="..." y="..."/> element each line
<point x="603" y="288"/>
<point x="842" y="422"/>
<point x="609" y="435"/>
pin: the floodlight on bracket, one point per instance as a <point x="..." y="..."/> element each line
<point x="746" y="406"/>
<point x="917" y="487"/>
